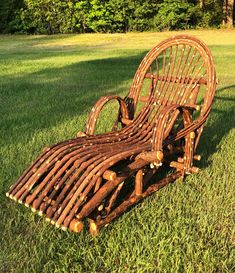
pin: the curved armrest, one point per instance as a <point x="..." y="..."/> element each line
<point x="162" y="128"/>
<point x="95" y="111"/>
<point x="163" y="125"/>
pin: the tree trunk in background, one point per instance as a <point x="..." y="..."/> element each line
<point x="201" y="3"/>
<point x="229" y="13"/>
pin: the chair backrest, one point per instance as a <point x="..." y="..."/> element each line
<point x="179" y="70"/>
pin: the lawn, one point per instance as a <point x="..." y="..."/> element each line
<point x="48" y="85"/>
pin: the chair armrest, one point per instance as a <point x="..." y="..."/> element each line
<point x="163" y="125"/>
<point x="95" y="111"/>
<point x="161" y="129"/>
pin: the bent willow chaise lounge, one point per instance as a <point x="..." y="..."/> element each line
<point x="158" y="127"/>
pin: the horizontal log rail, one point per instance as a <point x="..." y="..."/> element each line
<point x="164" y="102"/>
<point x="175" y="79"/>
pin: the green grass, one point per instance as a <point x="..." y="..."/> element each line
<point x="48" y="84"/>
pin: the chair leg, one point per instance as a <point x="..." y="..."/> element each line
<point x="188" y="155"/>
<point x="96" y="225"/>
<point x="185" y="164"/>
<point x="113" y="198"/>
<point x="139" y="182"/>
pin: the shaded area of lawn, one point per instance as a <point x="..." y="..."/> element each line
<point x="221" y="121"/>
<point x="51" y="96"/>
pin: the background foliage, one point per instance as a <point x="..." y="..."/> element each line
<point x="79" y="16"/>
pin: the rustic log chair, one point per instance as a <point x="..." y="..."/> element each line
<point x="162" y="119"/>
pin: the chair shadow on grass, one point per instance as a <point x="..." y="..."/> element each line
<point x="43" y="99"/>
<point x="220" y="122"/>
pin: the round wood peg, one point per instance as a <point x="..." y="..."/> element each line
<point x="100" y="207"/>
<point x="81" y="134"/>
<point x="195" y="169"/>
<point x="192" y="135"/>
<point x="76" y="225"/>
<point x="93" y="228"/>
<point x="40" y="212"/>
<point x="10" y="196"/>
<point x="14" y="198"/>
<point x="197" y="157"/>
<point x="109" y="175"/>
<point x="159" y="155"/>
<point x="63" y="228"/>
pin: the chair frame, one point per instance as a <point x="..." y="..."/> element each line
<point x="140" y="148"/>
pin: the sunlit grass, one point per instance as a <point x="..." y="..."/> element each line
<point x="47" y="88"/>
